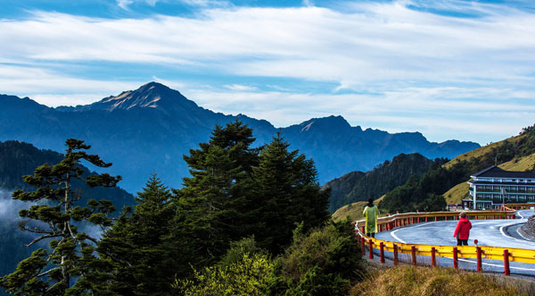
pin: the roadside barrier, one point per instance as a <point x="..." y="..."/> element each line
<point x="454" y="252"/>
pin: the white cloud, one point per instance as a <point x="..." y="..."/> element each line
<point x="56" y="89"/>
<point x="124" y="3"/>
<point x="239" y="87"/>
<point x="460" y="72"/>
<point x="439" y="113"/>
<point x="9" y="208"/>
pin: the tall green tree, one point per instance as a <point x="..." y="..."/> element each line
<point x="144" y="258"/>
<point x="55" y="217"/>
<point x="211" y="201"/>
<point x="286" y="193"/>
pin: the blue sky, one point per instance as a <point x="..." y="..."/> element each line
<point x="451" y="69"/>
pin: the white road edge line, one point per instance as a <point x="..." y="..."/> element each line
<point x="393" y="233"/>
<point x="508" y="236"/>
<point x="496" y="265"/>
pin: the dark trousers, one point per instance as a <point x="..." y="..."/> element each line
<point x="371" y="234"/>
<point x="462" y="242"/>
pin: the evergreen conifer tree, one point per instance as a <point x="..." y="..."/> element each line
<point x="286" y="193"/>
<point x="143" y="255"/>
<point x="55" y="218"/>
<point x="212" y="200"/>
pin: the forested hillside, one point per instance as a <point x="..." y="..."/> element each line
<point x="18" y="159"/>
<point x="427" y="192"/>
<point x="360" y="186"/>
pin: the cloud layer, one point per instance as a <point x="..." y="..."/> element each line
<point x="456" y="69"/>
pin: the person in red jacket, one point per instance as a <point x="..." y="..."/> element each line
<point x="462" y="231"/>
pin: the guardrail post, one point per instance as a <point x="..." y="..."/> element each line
<point x="455" y="258"/>
<point x="413" y="251"/>
<point x="433" y="257"/>
<point x="478" y="251"/>
<point x="506" y="269"/>
<point x="382" y="248"/>
<point x="396" y="261"/>
<point x="370" y="242"/>
<point x="363" y="245"/>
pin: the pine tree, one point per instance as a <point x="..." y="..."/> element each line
<point x="56" y="217"/>
<point x="286" y="193"/>
<point x="143" y="255"/>
<point x="211" y="201"/>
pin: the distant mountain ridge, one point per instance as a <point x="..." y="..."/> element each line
<point x="361" y="186"/>
<point x="149" y="130"/>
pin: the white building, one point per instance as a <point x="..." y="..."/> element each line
<point x="493" y="187"/>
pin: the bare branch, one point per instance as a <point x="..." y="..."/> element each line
<point x="47" y="272"/>
<point x="34" y="229"/>
<point x="42" y="238"/>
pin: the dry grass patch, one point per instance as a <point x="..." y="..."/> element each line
<point x="354" y="210"/>
<point x="456" y="194"/>
<point x="408" y="280"/>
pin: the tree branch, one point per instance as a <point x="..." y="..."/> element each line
<point x="42" y="238"/>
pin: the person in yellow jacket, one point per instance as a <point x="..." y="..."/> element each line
<point x="370" y="214"/>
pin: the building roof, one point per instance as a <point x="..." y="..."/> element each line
<point x="496" y="172"/>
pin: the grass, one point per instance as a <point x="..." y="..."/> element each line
<point x="353" y="210"/>
<point x="457" y="193"/>
<point x="409" y="280"/>
<point x="477" y="153"/>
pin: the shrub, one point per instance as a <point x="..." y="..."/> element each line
<point x="243" y="271"/>
<point x="325" y="262"/>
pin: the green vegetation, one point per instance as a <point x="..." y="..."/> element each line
<point x="18" y="159"/>
<point x="57" y="218"/>
<point x="358" y="186"/>
<point x="430" y="192"/>
<point x="421" y="193"/>
<point x="324" y="262"/>
<point x="247" y="222"/>
<point x="173" y="237"/>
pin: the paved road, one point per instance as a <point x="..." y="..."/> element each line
<point x="499" y="233"/>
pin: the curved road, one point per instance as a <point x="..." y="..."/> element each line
<point x="498" y="233"/>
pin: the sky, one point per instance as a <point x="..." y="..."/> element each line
<point x="450" y="69"/>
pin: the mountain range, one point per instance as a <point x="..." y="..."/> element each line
<point x="361" y="186"/>
<point x="148" y="130"/>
